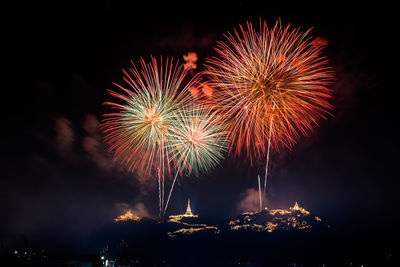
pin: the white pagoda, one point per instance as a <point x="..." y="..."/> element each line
<point x="187" y="214"/>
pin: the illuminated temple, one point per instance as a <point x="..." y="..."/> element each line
<point x="188" y="224"/>
<point x="270" y="220"/>
<point x="187" y="214"/>
<point x="267" y="220"/>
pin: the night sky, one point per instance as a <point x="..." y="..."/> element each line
<point x="58" y="184"/>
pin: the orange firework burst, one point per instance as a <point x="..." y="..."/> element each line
<point x="270" y="86"/>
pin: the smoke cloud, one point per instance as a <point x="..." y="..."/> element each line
<point x="64" y="135"/>
<point x="250" y="201"/>
<point x="93" y="145"/>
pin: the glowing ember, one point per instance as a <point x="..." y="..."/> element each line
<point x="320" y="42"/>
<point x="207" y="90"/>
<point x="194" y="91"/>
<point x="190" y="60"/>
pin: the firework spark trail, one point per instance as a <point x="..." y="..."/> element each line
<point x="266" y="164"/>
<point x="259" y="192"/>
<point x="162" y="190"/>
<point x="159" y="195"/>
<point x="170" y="192"/>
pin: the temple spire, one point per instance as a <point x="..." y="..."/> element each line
<point x="188" y="210"/>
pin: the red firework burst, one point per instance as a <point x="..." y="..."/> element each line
<point x="270" y="86"/>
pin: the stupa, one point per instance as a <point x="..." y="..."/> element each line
<point x="188" y="212"/>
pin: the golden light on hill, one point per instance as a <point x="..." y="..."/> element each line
<point x="127" y="216"/>
<point x="187" y="214"/>
<point x="295" y="217"/>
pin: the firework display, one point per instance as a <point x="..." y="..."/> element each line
<point x="265" y="88"/>
<point x="270" y="86"/>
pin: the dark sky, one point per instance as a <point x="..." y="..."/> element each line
<point x="57" y="181"/>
